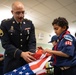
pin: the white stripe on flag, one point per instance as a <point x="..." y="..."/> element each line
<point x="41" y="71"/>
<point x="41" y="65"/>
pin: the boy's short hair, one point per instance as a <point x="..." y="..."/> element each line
<point x="54" y="38"/>
<point x="61" y="21"/>
<point x="75" y="34"/>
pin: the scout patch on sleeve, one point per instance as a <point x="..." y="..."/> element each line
<point x="68" y="43"/>
<point x="1" y="33"/>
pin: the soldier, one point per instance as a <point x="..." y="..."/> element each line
<point x="18" y="39"/>
<point x="64" y="53"/>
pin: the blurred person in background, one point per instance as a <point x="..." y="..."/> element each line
<point x="54" y="39"/>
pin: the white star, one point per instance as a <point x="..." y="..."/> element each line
<point x="20" y="72"/>
<point x="23" y="68"/>
<point x="27" y="73"/>
<point x="14" y="70"/>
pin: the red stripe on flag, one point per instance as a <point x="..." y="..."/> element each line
<point x="35" y="66"/>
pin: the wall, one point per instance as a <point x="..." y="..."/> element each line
<point x="43" y="38"/>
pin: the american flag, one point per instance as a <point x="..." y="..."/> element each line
<point x="37" y="67"/>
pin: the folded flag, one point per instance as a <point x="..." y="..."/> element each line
<point x="36" y="67"/>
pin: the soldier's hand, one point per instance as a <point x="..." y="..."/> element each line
<point x="1" y="58"/>
<point x="28" y="56"/>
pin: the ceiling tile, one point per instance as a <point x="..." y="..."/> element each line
<point x="72" y="7"/>
<point x="9" y="2"/>
<point x="52" y="4"/>
<point x="30" y="3"/>
<point x="34" y="13"/>
<point x="47" y="28"/>
<point x="42" y="9"/>
<point x="41" y="0"/>
<point x="2" y="1"/>
<point x="71" y="18"/>
<point x="39" y="22"/>
<point x="53" y="15"/>
<point x="65" y="2"/>
<point x="45" y="19"/>
<point x="63" y="12"/>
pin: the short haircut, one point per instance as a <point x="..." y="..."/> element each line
<point x="61" y="21"/>
<point x="75" y="34"/>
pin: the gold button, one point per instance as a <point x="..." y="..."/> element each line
<point x="20" y="39"/>
<point x="21" y="45"/>
<point x="20" y="33"/>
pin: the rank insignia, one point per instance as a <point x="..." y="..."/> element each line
<point x="11" y="28"/>
<point x="1" y="33"/>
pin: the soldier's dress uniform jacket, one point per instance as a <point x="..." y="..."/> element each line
<point x="17" y="37"/>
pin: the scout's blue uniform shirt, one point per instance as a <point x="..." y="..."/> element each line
<point x="66" y="44"/>
<point x="17" y="37"/>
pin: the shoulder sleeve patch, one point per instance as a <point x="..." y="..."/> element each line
<point x="1" y="33"/>
<point x="68" y="37"/>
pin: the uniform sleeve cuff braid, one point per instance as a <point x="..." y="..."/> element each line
<point x="17" y="53"/>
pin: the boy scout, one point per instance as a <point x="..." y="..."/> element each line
<point x="64" y="53"/>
